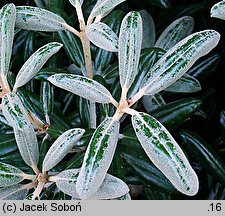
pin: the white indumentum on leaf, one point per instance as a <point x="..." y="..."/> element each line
<point x="27" y="144"/>
<point x="103" y="7"/>
<point x="130" y="41"/>
<point x="165" y="153"/>
<point x="9" y="175"/>
<point x="7" y="23"/>
<point x="111" y="187"/>
<point x="15" y="192"/>
<point x="82" y="86"/>
<point x="32" y="66"/>
<point x="76" y="2"/>
<point x="148" y="30"/>
<point x="98" y="158"/>
<point x="218" y="10"/>
<point x="175" y="32"/>
<point x="38" y="19"/>
<point x="102" y="36"/>
<point x="61" y="147"/>
<point x="186" y="84"/>
<point x="177" y="60"/>
<point x="14" y="111"/>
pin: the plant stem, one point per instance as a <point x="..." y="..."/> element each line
<point x="71" y="29"/>
<point x="38" y="190"/>
<point x="35" y="169"/>
<point x="87" y="54"/>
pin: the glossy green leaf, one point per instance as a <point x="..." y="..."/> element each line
<point x="176" y="113"/>
<point x="73" y="47"/>
<point x="76" y="2"/>
<point x="162" y="3"/>
<point x="103" y="7"/>
<point x="61" y="147"/>
<point x="14" y="111"/>
<point x="110" y="188"/>
<point x="38" y="19"/>
<point x="35" y="63"/>
<point x="148" y="30"/>
<point x="7" y="22"/>
<point x="9" y="175"/>
<point x="102" y="36"/>
<point x="29" y="46"/>
<point x="222" y="124"/>
<point x="130" y="40"/>
<point x="186" y="84"/>
<point x="98" y="157"/>
<point x="47" y="98"/>
<point x="152" y="102"/>
<point x="218" y="10"/>
<point x="165" y="153"/>
<point x="175" y="32"/>
<point x="178" y="60"/>
<point x="27" y="144"/>
<point x="82" y="86"/>
<point x="15" y="192"/>
<point x="142" y="166"/>
<point x="205" y="66"/>
<point x="205" y="154"/>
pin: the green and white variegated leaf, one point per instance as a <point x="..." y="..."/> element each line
<point x="111" y="187"/>
<point x="102" y="36"/>
<point x="178" y="60"/>
<point x="14" y="111"/>
<point x="9" y="175"/>
<point x="35" y="63"/>
<point x="151" y="102"/>
<point x="82" y="86"/>
<point x="27" y="144"/>
<point x="124" y="197"/>
<point x="175" y="32"/>
<point x="165" y="153"/>
<point x="7" y="23"/>
<point x="130" y="40"/>
<point x="98" y="158"/>
<point x="38" y="19"/>
<point x="76" y="2"/>
<point x="186" y="84"/>
<point x="103" y="7"/>
<point x="148" y="39"/>
<point x="15" y="192"/>
<point x="61" y="147"/>
<point x="218" y="10"/>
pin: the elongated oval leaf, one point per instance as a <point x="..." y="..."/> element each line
<point x="152" y="102"/>
<point x="205" y="154"/>
<point x="82" y="86"/>
<point x="175" y="32"/>
<point x="76" y="2"/>
<point x="15" y="192"/>
<point x="111" y="187"/>
<point x="7" y="23"/>
<point x="47" y="98"/>
<point x="165" y="153"/>
<point x="35" y="63"/>
<point x="9" y="175"/>
<point x="177" y="112"/>
<point x="14" y="111"/>
<point x="60" y="147"/>
<point x="148" y="29"/>
<point x="218" y="10"/>
<point x="38" y="19"/>
<point x="102" y="36"/>
<point x="186" y="84"/>
<point x="130" y="40"/>
<point x="103" y="7"/>
<point x="98" y="157"/>
<point x="27" y="144"/>
<point x="178" y="60"/>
